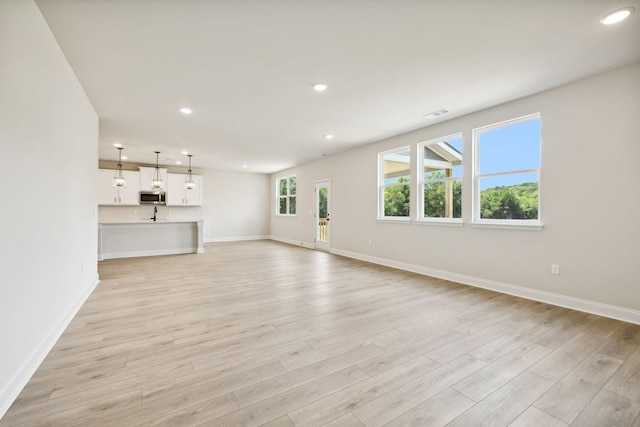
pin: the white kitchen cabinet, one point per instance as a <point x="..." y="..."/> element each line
<point x="178" y="195"/>
<point x="146" y="176"/>
<point x="110" y="195"/>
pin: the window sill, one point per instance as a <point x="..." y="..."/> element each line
<point x="398" y="220"/>
<point x="285" y="216"/>
<point x="534" y="226"/>
<point x="445" y="222"/>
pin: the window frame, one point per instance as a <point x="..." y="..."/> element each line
<point x="287" y="196"/>
<point x="476" y="219"/>
<point x="421" y="182"/>
<point x="382" y="186"/>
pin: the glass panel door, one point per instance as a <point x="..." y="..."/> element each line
<point x="322" y="216"/>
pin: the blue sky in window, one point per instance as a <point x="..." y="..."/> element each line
<point x="457" y="144"/>
<point x="510" y="148"/>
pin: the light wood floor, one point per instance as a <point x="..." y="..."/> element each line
<point x="262" y="333"/>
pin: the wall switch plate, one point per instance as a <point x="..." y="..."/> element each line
<point x="555" y="269"/>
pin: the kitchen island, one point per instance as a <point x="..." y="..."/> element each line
<point x="145" y="237"/>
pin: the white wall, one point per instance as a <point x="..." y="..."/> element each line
<point x="236" y="206"/>
<point x="590" y="201"/>
<point x="48" y="226"/>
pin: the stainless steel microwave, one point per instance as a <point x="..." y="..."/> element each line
<point x="153" y="198"/>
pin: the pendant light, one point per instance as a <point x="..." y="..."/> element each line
<point x="156" y="184"/>
<point x="118" y="179"/>
<point x="189" y="184"/>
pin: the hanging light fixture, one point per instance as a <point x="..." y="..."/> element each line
<point x="156" y="184"/>
<point x="118" y="179"/>
<point x="189" y="184"/>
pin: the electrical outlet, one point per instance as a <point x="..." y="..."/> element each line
<point x="555" y="269"/>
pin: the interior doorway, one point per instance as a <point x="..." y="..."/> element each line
<point x="322" y="215"/>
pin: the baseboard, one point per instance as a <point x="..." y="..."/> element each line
<point x="133" y="254"/>
<point x="233" y="239"/>
<point x="606" y="310"/>
<point x="292" y="242"/>
<point x="10" y="391"/>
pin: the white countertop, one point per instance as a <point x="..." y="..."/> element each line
<point x="146" y="221"/>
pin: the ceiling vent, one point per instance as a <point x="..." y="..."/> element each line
<point x="436" y="113"/>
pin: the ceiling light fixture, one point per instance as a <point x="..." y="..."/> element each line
<point x="616" y="16"/>
<point x="328" y="136"/>
<point x="117" y="144"/>
<point x="185" y="152"/>
<point x="320" y="87"/>
<point x="244" y="166"/>
<point x="189" y="184"/>
<point x="186" y="110"/>
<point x="156" y="184"/>
<point x="118" y="179"/>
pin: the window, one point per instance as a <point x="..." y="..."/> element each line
<point x="507" y="172"/>
<point x="286" y="191"/>
<point x="394" y="183"/>
<point x="440" y="179"/>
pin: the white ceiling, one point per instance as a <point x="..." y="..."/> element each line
<point x="246" y="68"/>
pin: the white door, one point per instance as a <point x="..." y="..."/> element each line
<point x="322" y="215"/>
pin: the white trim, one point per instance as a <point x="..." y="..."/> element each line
<point x="450" y="222"/>
<point x="287" y="196"/>
<point x="507" y="122"/>
<point x="422" y="181"/>
<point x="382" y="185"/>
<point x="233" y="239"/>
<point x="317" y="244"/>
<point x="475" y="168"/>
<point x="157" y="252"/>
<point x="9" y="392"/>
<point x="292" y="242"/>
<point x="601" y="309"/>
<point x="510" y="172"/>
<point x="533" y="226"/>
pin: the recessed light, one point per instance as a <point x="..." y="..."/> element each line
<point x="320" y="87"/>
<point x="328" y="136"/>
<point x="185" y="110"/>
<point x="117" y="144"/>
<point x="185" y="152"/>
<point x="244" y="166"/>
<point x="124" y="157"/>
<point x="178" y="162"/>
<point x="616" y="16"/>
